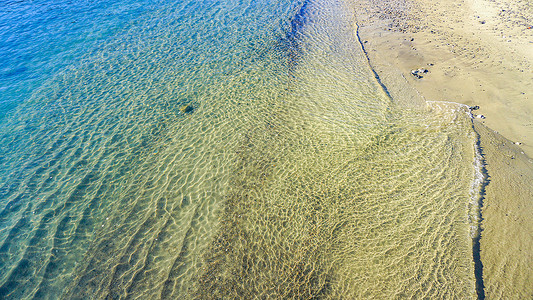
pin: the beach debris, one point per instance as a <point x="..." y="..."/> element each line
<point x="530" y="27"/>
<point x="418" y="73"/>
<point x="480" y="116"/>
<point x="518" y="143"/>
<point x="187" y="109"/>
<point x="475" y="107"/>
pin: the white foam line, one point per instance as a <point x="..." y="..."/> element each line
<point x="476" y="193"/>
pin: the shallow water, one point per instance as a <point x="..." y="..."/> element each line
<point x="223" y="149"/>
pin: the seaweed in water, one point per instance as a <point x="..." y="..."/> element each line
<point x="187" y="109"/>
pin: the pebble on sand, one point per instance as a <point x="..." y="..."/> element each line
<point x="418" y="73"/>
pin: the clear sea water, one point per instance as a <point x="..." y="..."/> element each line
<point x="217" y="150"/>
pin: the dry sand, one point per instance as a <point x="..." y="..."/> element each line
<point x="481" y="51"/>
<point x="477" y="52"/>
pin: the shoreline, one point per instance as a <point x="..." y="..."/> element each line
<point x="468" y="66"/>
<point x="464" y="61"/>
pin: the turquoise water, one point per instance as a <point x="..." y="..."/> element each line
<point x="220" y="149"/>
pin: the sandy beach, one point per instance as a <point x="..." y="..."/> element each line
<point x="478" y="53"/>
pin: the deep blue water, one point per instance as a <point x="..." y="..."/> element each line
<point x="38" y="39"/>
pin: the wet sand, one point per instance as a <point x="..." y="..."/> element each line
<point x="478" y="53"/>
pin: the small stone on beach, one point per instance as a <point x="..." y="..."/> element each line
<point x="415" y="74"/>
<point x="418" y="73"/>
